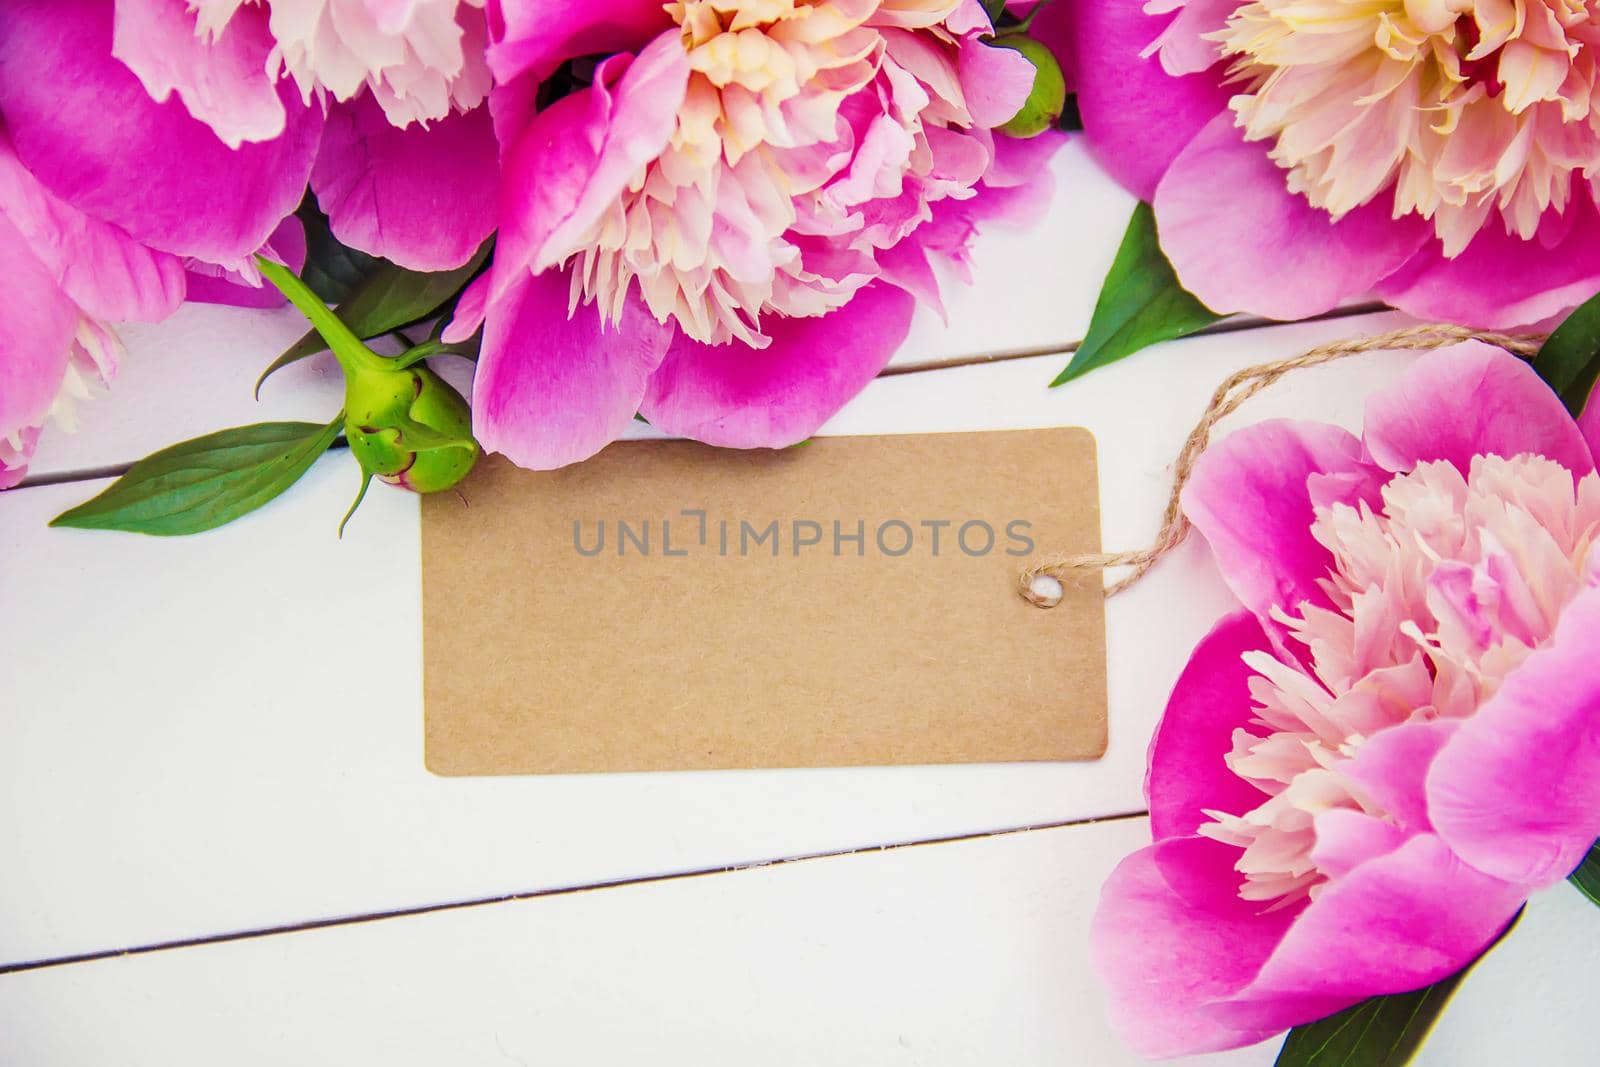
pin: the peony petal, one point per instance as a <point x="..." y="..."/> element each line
<point x="211" y="285"/>
<point x="996" y="81"/>
<point x="1396" y="923"/>
<point x="1137" y="118"/>
<point x="1249" y="498"/>
<point x="223" y="82"/>
<point x="1241" y="241"/>
<point x="1187" y="775"/>
<point x="1346" y="839"/>
<point x="737" y="397"/>
<point x="1517" y="792"/>
<point x="108" y="274"/>
<point x="1467" y="400"/>
<point x="534" y="37"/>
<point x="472" y="306"/>
<point x="577" y="157"/>
<point x="553" y="390"/>
<point x="1164" y="956"/>
<point x="37" y="324"/>
<point x="1390" y="767"/>
<point x="154" y="171"/>
<point x="421" y="197"/>
<point x="1500" y="281"/>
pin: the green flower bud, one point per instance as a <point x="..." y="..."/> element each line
<point x="1049" y="97"/>
<point x="409" y="428"/>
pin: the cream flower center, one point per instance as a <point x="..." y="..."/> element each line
<point x="1455" y="109"/>
<point x="1436" y="599"/>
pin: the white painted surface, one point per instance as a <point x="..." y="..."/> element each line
<point x="1035" y="289"/>
<point x="224" y="732"/>
<point x="959" y="955"/>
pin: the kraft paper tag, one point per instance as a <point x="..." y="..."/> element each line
<point x="669" y="606"/>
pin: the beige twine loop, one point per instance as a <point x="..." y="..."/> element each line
<point x="1230" y="395"/>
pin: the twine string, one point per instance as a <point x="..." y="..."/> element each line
<point x="1228" y="398"/>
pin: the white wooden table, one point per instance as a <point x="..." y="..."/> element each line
<point x="221" y="846"/>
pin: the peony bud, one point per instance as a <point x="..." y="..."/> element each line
<point x="1049" y="97"/>
<point x="409" y="428"/>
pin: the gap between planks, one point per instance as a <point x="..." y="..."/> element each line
<point x="538" y="894"/>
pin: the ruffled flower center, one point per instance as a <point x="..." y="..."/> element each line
<point x="1454" y="108"/>
<point x="1436" y="598"/>
<point x="815" y="136"/>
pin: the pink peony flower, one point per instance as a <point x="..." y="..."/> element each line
<point x="1440" y="155"/>
<point x="729" y="228"/>
<point x="1362" y="775"/>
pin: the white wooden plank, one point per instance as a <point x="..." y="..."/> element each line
<point x="955" y="954"/>
<point x="224" y="733"/>
<point x="1033" y="289"/>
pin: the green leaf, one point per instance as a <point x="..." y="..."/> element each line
<point x="1140" y="304"/>
<point x="391" y="298"/>
<point x="1587" y="876"/>
<point x="1383" y="1031"/>
<point x="1570" y="359"/>
<point x="333" y="269"/>
<point x="207" y="482"/>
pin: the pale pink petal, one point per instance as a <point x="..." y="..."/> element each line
<point x="471" y="307"/>
<point x="82" y="123"/>
<point x="1276" y="255"/>
<point x="1467" y="400"/>
<point x="1172" y="936"/>
<point x="1136" y="116"/>
<point x="37" y="324"/>
<point x="1249" y="498"/>
<point x="422" y="197"/>
<point x="738" y="397"/>
<point x="1396" y="923"/>
<point x="552" y="390"/>
<point x="1517" y="792"/>
<point x="223" y="82"/>
<point x="995" y="81"/>
<point x="1187" y="776"/>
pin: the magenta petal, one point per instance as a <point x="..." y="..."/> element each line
<point x="421" y="197"/>
<point x="222" y="82"/>
<point x="739" y="397"/>
<point x="535" y="37"/>
<point x="1187" y="775"/>
<point x="1500" y="281"/>
<point x="1136" y="117"/>
<point x="1517" y="792"/>
<point x="1164" y="955"/>
<point x="37" y="324"/>
<point x="86" y="128"/>
<point x="552" y="390"/>
<point x="108" y="274"/>
<point x="1249" y="498"/>
<point x="210" y="285"/>
<point x="1396" y="923"/>
<point x="576" y="158"/>
<point x="1283" y="258"/>
<point x="1466" y="400"/>
<point x="1389" y="768"/>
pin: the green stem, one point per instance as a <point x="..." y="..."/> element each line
<point x="352" y="353"/>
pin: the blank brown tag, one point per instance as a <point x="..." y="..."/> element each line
<point x="668" y="606"/>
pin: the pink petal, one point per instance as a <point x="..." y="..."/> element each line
<point x="1249" y="498"/>
<point x="1466" y="400"/>
<point x="1137" y="117"/>
<point x="37" y="323"/>
<point x="553" y="390"/>
<point x="211" y="285"/>
<point x="1240" y="241"/>
<point x="421" y="197"/>
<point x="1171" y="936"/>
<point x="1053" y="28"/>
<point x="995" y="81"/>
<point x="223" y="83"/>
<point x="1187" y="775"/>
<point x="577" y="157"/>
<point x="1389" y="769"/>
<point x="1517" y="792"/>
<point x="1346" y="839"/>
<point x="535" y="37"/>
<point x="471" y="308"/>
<point x="105" y="272"/>
<point x="153" y="170"/>
<point x="1396" y="923"/>
<point x="737" y="397"/>
<point x="1500" y="281"/>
